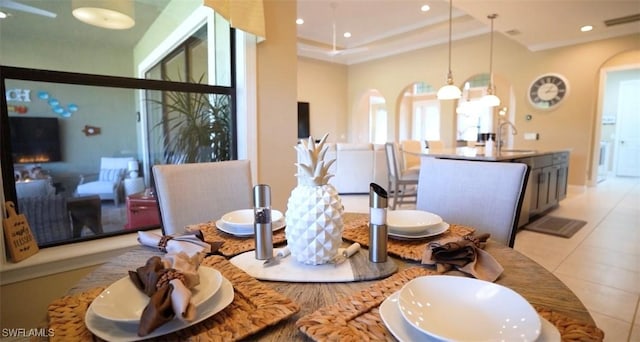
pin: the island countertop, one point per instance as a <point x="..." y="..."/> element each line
<point x="474" y="153"/>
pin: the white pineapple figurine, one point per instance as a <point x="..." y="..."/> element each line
<point x="314" y="211"/>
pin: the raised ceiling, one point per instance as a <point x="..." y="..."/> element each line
<point x="379" y="27"/>
<point x="385" y="27"/>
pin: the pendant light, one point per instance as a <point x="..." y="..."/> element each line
<point x="449" y="91"/>
<point x="490" y="99"/>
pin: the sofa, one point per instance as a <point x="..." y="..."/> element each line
<point x="357" y="165"/>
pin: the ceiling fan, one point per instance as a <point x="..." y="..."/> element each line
<point x="334" y="50"/>
<point x="14" y="5"/>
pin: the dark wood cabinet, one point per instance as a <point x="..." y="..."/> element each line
<point x="561" y="163"/>
<point x="549" y="173"/>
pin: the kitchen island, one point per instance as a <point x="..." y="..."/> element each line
<point x="547" y="184"/>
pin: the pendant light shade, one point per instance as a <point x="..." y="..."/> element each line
<point x="449" y="91"/>
<point x="491" y="100"/>
<point x="114" y="15"/>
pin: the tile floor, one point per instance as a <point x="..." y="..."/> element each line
<point x="600" y="263"/>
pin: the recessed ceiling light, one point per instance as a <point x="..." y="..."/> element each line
<point x="299" y="21"/>
<point x="3" y="15"/>
<point x="425" y="8"/>
<point x="347" y="34"/>
<point x="586" y="28"/>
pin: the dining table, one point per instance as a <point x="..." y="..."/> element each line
<point x="305" y="311"/>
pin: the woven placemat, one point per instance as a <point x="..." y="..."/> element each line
<point x="356" y="318"/>
<point x="357" y="230"/>
<point x="255" y="306"/>
<point x="232" y="245"/>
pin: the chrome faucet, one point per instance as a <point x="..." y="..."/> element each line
<point x="503" y="122"/>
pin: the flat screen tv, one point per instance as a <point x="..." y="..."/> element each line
<point x="34" y="140"/>
<point x="303" y="120"/>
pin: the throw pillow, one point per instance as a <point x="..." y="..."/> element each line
<point x="110" y="175"/>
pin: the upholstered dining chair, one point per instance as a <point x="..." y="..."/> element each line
<point x="435" y="145"/>
<point x="402" y="182"/>
<point x="480" y="194"/>
<point x="201" y="192"/>
<point x="411" y="153"/>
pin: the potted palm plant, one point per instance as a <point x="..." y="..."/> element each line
<point x="196" y="127"/>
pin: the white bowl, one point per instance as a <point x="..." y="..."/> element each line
<point x="412" y="221"/>
<point x="123" y="302"/>
<point x="467" y="309"/>
<point x="243" y="218"/>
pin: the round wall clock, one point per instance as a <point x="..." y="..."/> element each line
<point x="548" y="91"/>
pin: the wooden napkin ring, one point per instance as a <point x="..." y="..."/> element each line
<point x="168" y="276"/>
<point x="162" y="244"/>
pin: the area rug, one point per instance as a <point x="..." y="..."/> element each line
<point x="554" y="225"/>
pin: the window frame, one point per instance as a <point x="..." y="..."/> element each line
<point x="60" y="77"/>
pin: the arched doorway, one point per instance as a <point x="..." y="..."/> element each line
<point x="419" y="113"/>
<point x="475" y="117"/>
<point x="370" y="122"/>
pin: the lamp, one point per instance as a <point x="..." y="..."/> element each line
<point x="132" y="166"/>
<point x="490" y="99"/>
<point x="110" y="14"/>
<point x="449" y="91"/>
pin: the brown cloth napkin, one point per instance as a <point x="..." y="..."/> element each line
<point x="464" y="254"/>
<point x="158" y="312"/>
<point x="146" y="277"/>
<point x="168" y="283"/>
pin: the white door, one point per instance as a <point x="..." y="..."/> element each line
<point x="628" y="129"/>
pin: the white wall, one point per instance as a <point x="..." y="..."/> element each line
<point x="327" y="104"/>
<point x="571" y="125"/>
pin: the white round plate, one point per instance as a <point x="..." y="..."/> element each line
<point x="549" y="332"/>
<point x="243" y="218"/>
<point x="119" y="331"/>
<point x="123" y="302"/>
<point x="399" y="328"/>
<point x="276" y="225"/>
<point x="433" y="231"/>
<point x="411" y="221"/>
<point x="467" y="309"/>
<point x="405" y="332"/>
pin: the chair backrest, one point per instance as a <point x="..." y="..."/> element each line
<point x="115" y="162"/>
<point x="113" y="169"/>
<point x="201" y="192"/>
<point x="484" y="195"/>
<point x="411" y="159"/>
<point x="435" y="145"/>
<point x="35" y="188"/>
<point x="392" y="160"/>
